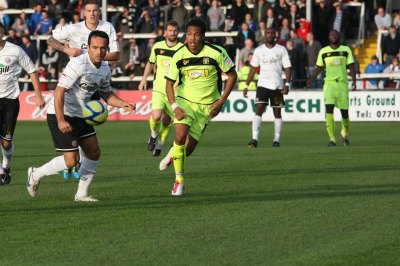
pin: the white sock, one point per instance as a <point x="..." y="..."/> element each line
<point x="154" y="134"/>
<point x="56" y="165"/>
<point x="256" y="126"/>
<point x="159" y="145"/>
<point x="87" y="171"/>
<point x="81" y="154"/>
<point x="7" y="155"/>
<point x="277" y="129"/>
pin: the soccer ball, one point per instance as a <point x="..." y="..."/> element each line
<point x="95" y="113"/>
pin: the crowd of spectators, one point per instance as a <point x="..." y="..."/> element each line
<point x="249" y="19"/>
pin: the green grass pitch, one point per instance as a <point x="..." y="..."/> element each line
<point x="300" y="204"/>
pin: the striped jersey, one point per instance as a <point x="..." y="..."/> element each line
<point x="161" y="55"/>
<point x="335" y="62"/>
<point x="78" y="35"/>
<point x="12" y="59"/>
<point x="199" y="75"/>
<point x="82" y="79"/>
<point x="271" y="62"/>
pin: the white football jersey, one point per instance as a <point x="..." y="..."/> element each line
<point x="78" y="34"/>
<point x="12" y="59"/>
<point x="271" y="63"/>
<point x="82" y="79"/>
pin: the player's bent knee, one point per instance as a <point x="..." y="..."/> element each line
<point x="94" y="155"/>
<point x="6" y="144"/>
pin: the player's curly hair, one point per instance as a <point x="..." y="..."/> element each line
<point x="197" y="22"/>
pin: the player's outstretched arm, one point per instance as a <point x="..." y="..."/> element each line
<point x="250" y="78"/>
<point x="38" y="93"/>
<point x="115" y="101"/>
<point x="217" y="106"/>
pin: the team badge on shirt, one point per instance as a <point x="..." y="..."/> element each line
<point x="206" y="61"/>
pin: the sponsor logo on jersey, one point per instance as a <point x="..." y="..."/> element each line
<point x="4" y="68"/>
<point x="196" y="73"/>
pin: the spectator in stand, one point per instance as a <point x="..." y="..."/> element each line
<point x="303" y="29"/>
<point x="134" y="59"/>
<point x="50" y="58"/>
<point x="215" y="16"/>
<point x="396" y="20"/>
<point x="19" y="27"/>
<point x="25" y="19"/>
<point x="36" y="17"/>
<point x="154" y="11"/>
<point x="245" y="51"/>
<point x="126" y="22"/>
<point x="55" y="10"/>
<point x="281" y="10"/>
<point x="373" y="68"/>
<point x="204" y="6"/>
<point x="251" y="22"/>
<point x="294" y="16"/>
<point x="146" y="24"/>
<point x="340" y="21"/>
<point x="260" y="9"/>
<point x="42" y="73"/>
<point x="30" y="48"/>
<point x="260" y="33"/>
<point x="300" y="45"/>
<point x="61" y="23"/>
<point x="5" y="19"/>
<point x="312" y="50"/>
<point x="199" y="14"/>
<point x="13" y="37"/>
<point x="244" y="34"/>
<point x="178" y="13"/>
<point x="45" y="25"/>
<point x="238" y="12"/>
<point x="229" y="43"/>
<point x="76" y="18"/>
<point x="77" y="6"/>
<point x="295" y="62"/>
<point x="394" y="67"/>
<point x="301" y="8"/>
<point x="321" y="17"/>
<point x="284" y="31"/>
<point x="271" y="21"/>
<point x="160" y="34"/>
<point x="390" y="45"/>
<point x="52" y="77"/>
<point x="382" y="19"/>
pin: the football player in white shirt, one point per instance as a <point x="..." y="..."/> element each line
<point x="12" y="59"/>
<point x="76" y="35"/>
<point x="271" y="58"/>
<point x="72" y="39"/>
<point x="82" y="77"/>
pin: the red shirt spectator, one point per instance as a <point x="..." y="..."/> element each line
<point x="303" y="29"/>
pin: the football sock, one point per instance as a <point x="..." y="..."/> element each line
<point x="164" y="131"/>
<point x="7" y="155"/>
<point x="330" y="126"/>
<point x="277" y="129"/>
<point x="87" y="171"/>
<point x="56" y="165"/>
<point x="345" y="126"/>
<point x="256" y="126"/>
<point x="179" y="154"/>
<point x="154" y="126"/>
